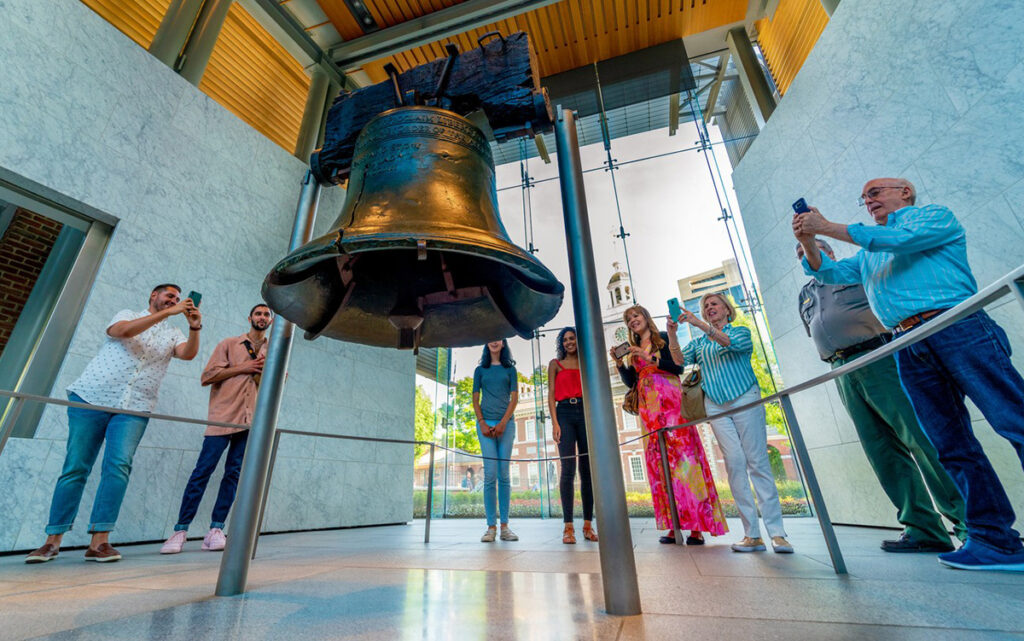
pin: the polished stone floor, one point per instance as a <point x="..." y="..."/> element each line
<point x="385" y="583"/>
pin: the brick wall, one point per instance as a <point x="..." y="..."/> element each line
<point x="23" y="251"/>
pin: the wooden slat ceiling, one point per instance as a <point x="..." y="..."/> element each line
<point x="137" y="19"/>
<point x="254" y="77"/>
<point x="788" y="37"/>
<point x="565" y="35"/>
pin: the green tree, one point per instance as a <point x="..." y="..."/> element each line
<point x="424" y="417"/>
<point x="764" y="368"/>
<point x="462" y="417"/>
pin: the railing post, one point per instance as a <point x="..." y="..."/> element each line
<point x="8" y="421"/>
<point x="812" y="485"/>
<point x="234" y="564"/>
<point x="430" y="494"/>
<point x="266" y="491"/>
<point x="677" y="530"/>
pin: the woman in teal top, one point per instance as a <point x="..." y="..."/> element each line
<point x="723" y="355"/>
<point x="495" y="395"/>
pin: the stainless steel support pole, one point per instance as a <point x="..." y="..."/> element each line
<point x="797" y="437"/>
<point x="234" y="565"/>
<point x="266" y="491"/>
<point x="618" y="567"/>
<point x="677" y="530"/>
<point x="430" y="494"/>
<point x="314" y="112"/>
<point x="202" y="40"/>
<point x="1018" y="291"/>
<point x="830" y="6"/>
<point x="755" y="85"/>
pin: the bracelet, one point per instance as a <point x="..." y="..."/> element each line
<point x="194" y="329"/>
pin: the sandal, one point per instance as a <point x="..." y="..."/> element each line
<point x="568" y="534"/>
<point x="589" y="533"/>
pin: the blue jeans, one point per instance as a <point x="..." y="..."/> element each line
<point x="972" y="358"/>
<point x="87" y="430"/>
<point x="497" y="486"/>
<point x="209" y="456"/>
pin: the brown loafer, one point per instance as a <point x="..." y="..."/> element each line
<point x="105" y="553"/>
<point x="46" y="553"/>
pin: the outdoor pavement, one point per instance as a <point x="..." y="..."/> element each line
<point x="385" y="583"/>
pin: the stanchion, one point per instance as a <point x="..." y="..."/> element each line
<point x="430" y="494"/>
<point x="266" y="491"/>
<point x="838" y="564"/>
<point x="677" y="530"/>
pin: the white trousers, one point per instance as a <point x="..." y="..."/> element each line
<point x="743" y="438"/>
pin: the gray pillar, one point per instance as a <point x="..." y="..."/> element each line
<point x="618" y="567"/>
<point x="244" y="525"/>
<point x="312" y="115"/>
<point x="204" y="37"/>
<point x="172" y="34"/>
<point x="830" y="6"/>
<point x="755" y="85"/>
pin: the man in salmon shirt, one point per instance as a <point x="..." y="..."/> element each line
<point x="233" y="374"/>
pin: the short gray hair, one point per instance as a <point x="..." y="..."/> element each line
<point x="822" y="244"/>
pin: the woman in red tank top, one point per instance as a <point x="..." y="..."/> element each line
<point x="568" y="426"/>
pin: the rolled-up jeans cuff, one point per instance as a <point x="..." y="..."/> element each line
<point x="181" y="528"/>
<point x="57" y="529"/>
<point x="216" y="524"/>
<point x="100" y="527"/>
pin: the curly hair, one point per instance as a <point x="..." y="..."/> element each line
<point x="505" y="356"/>
<point x="559" y="347"/>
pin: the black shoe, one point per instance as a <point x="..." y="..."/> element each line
<point x="692" y="540"/>
<point x="907" y="544"/>
<point x="667" y="539"/>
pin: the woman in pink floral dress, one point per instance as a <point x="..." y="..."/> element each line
<point x="649" y="366"/>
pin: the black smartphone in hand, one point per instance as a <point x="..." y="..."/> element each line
<point x="621" y="350"/>
<point x="196" y="297"/>
<point x="801" y="207"/>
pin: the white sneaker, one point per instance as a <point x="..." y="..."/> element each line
<point x="748" y="544"/>
<point x="508" y="535"/>
<point x="214" y="540"/>
<point x="488" y="536"/>
<point x="174" y="544"/>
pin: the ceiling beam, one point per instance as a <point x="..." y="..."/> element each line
<point x="713" y="96"/>
<point x="298" y="35"/>
<point x="431" y="27"/>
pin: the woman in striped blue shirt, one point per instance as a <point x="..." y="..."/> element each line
<point x="723" y="355"/>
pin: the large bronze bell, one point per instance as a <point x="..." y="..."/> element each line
<point x="418" y="256"/>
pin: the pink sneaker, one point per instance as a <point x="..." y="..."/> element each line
<point x="174" y="544"/>
<point x="214" y="540"/>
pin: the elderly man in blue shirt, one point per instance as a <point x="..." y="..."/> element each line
<point x="913" y="266"/>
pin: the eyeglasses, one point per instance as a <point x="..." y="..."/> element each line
<point x="874" y="192"/>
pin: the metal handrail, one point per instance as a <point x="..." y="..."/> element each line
<point x="1010" y="284"/>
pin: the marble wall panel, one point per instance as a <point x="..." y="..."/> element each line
<point x="930" y="93"/>
<point x="204" y="200"/>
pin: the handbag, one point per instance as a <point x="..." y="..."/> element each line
<point x="693" y="396"/>
<point x="631" y="404"/>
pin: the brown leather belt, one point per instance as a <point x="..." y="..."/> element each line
<point x="915" y="320"/>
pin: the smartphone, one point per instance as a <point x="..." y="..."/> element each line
<point x="621" y="350"/>
<point x="673" y="309"/>
<point x="196" y="297"/>
<point x="801" y="207"/>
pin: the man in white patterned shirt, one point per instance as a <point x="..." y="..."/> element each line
<point x="125" y="374"/>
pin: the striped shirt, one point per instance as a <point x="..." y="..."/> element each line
<point x="916" y="262"/>
<point x="726" y="370"/>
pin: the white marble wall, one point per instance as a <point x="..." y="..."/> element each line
<point x="929" y="91"/>
<point x="203" y="200"/>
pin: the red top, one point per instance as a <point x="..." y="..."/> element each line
<point x="567" y="383"/>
